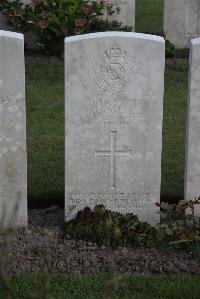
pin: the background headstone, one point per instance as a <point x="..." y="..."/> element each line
<point x="181" y="21"/>
<point x="126" y="15"/>
<point x="192" y="173"/>
<point x="13" y="197"/>
<point x="114" y="110"/>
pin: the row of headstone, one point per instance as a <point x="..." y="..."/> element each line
<point x="181" y="21"/>
<point x="114" y="111"/>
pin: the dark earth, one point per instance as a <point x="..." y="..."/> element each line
<point x="43" y="244"/>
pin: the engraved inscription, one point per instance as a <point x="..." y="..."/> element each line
<point x="109" y="111"/>
<point x="115" y="71"/>
<point x="196" y="108"/>
<point x="119" y="200"/>
<point x="122" y="112"/>
<point x="195" y="113"/>
<point x="10" y="109"/>
<point x="113" y="153"/>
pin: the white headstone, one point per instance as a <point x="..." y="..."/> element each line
<point x="13" y="198"/>
<point x="114" y="111"/>
<point x="181" y="21"/>
<point x="126" y="15"/>
<point x="192" y="173"/>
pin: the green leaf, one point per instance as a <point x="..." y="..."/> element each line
<point x="169" y="231"/>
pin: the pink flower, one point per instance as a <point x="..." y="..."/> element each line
<point x="44" y="14"/>
<point x="80" y="22"/>
<point x="65" y="30"/>
<point x="43" y="24"/>
<point x="46" y="5"/>
<point x="87" y="9"/>
<point x="34" y="1"/>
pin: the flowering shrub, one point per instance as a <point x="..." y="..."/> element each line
<point x="52" y="20"/>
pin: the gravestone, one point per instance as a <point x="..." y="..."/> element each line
<point x="13" y="198"/>
<point x="181" y="21"/>
<point x="192" y="172"/>
<point x="126" y="15"/>
<point x="114" y="110"/>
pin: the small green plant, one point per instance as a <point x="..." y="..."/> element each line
<point x="170" y="49"/>
<point x="179" y="227"/>
<point x="51" y="21"/>
<point x="110" y="228"/>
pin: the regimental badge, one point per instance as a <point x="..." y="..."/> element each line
<point x="115" y="72"/>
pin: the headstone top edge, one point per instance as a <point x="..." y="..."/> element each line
<point x="11" y="34"/>
<point x="195" y="41"/>
<point x="114" y="34"/>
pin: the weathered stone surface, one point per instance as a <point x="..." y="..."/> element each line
<point x="181" y="21"/>
<point x="13" y="198"/>
<point x="114" y="110"/>
<point x="126" y="15"/>
<point x="192" y="173"/>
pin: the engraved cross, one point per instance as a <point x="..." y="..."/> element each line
<point x="113" y="153"/>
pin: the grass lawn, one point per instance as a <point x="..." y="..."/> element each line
<point x="105" y="286"/>
<point x="45" y="120"/>
<point x="149" y="16"/>
<point x="45" y="132"/>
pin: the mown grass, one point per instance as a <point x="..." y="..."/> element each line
<point x="45" y="132"/>
<point x="105" y="286"/>
<point x="149" y="16"/>
<point x="174" y="130"/>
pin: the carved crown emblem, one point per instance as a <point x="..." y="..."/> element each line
<point x="115" y="52"/>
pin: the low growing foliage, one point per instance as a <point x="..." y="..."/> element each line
<point x="110" y="228"/>
<point x="170" y="50"/>
<point x="179" y="228"/>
